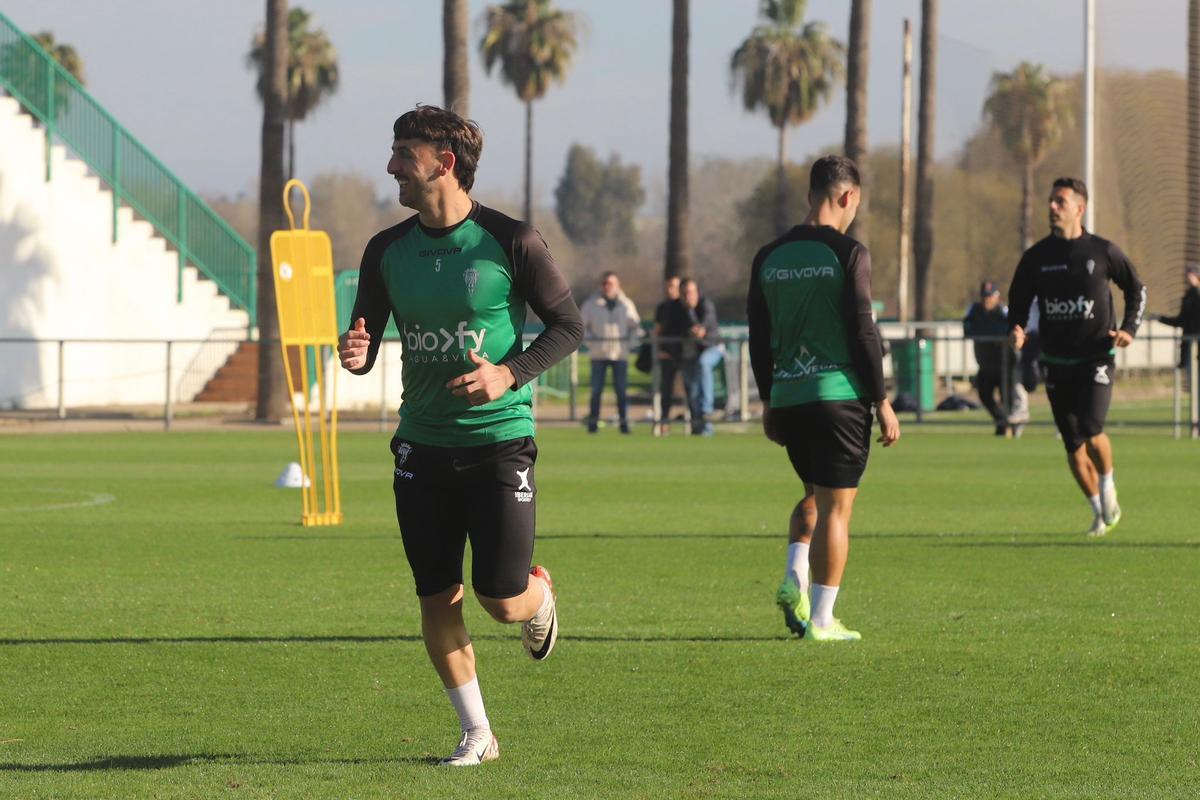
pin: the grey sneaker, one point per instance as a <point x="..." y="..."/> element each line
<point x="540" y="632"/>
<point x="1098" y="527"/>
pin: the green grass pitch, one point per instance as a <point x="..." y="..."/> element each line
<point x="168" y="630"/>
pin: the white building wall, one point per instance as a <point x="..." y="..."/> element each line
<point x="62" y="277"/>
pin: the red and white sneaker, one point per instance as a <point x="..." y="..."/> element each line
<point x="475" y="747"/>
<point x="539" y="633"/>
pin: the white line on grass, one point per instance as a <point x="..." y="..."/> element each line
<point x="94" y="499"/>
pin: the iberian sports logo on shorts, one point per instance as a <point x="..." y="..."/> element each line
<point x="524" y="492"/>
<point x="1102" y="375"/>
<point x="441" y="345"/>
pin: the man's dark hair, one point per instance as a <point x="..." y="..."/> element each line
<point x="445" y="130"/>
<point x="608" y="273"/>
<point x="830" y="172"/>
<point x="1074" y="184"/>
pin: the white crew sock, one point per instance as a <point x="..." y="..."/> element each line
<point x="797" y="568"/>
<point x="1094" y="500"/>
<point x="1107" y="483"/>
<point x="468" y="704"/>
<point x="823" y="598"/>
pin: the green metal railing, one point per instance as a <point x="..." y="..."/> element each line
<point x="67" y="111"/>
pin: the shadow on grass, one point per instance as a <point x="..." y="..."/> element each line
<point x="635" y="537"/>
<point x="382" y="639"/>
<point x="1097" y="543"/>
<point x="131" y="763"/>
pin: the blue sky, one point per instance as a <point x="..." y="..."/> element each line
<point x="174" y="73"/>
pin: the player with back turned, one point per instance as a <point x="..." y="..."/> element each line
<point x="818" y="361"/>
<point x="458" y="277"/>
<point x="1069" y="272"/>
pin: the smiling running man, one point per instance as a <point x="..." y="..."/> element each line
<point x="458" y="277"/>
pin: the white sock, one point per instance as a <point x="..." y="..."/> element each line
<point x="797" y="568"/>
<point x="823" y="598"/>
<point x="1094" y="500"/>
<point x="468" y="704"/>
<point x="1106" y="483"/>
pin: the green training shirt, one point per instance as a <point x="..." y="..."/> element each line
<point x="812" y="336"/>
<point x="456" y="290"/>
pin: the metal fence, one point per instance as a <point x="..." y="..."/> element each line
<point x="932" y="366"/>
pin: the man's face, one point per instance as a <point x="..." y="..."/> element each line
<point x="611" y="287"/>
<point x="691" y="294"/>
<point x="671" y="288"/>
<point x="990" y="301"/>
<point x="416" y="166"/>
<point x="1066" y="211"/>
<point x="1192" y="278"/>
<point x="853" y="196"/>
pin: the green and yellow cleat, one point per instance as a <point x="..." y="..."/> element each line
<point x="795" y="606"/>
<point x="837" y="632"/>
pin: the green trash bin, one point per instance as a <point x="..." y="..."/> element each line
<point x="912" y="364"/>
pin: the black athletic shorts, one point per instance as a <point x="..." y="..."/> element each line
<point x="1079" y="397"/>
<point x="445" y="495"/>
<point x="828" y="441"/>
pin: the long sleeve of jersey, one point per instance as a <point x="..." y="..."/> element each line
<point x="538" y="280"/>
<point x="866" y="349"/>
<point x="758" y="316"/>
<point x="1125" y="276"/>
<point x="1020" y="294"/>
<point x="371" y="302"/>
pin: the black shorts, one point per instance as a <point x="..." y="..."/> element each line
<point x="827" y="442"/>
<point x="1079" y="397"/>
<point x="445" y="495"/>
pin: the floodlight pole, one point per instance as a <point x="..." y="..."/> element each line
<point x="1089" y="111"/>
<point x="905" y="161"/>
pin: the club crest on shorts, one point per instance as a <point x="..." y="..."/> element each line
<point x="1091" y="266"/>
<point x="403" y="450"/>
<point x="1102" y="375"/>
<point x="471" y="278"/>
<point x="524" y="492"/>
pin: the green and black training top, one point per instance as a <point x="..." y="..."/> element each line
<point x="457" y="289"/>
<point x="812" y="334"/>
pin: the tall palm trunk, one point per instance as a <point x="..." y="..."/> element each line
<point x="291" y="149"/>
<point x="679" y="252"/>
<point x="1192" y="244"/>
<point x="926" y="113"/>
<point x="857" y="65"/>
<point x="781" y="187"/>
<point x="271" y="404"/>
<point x="455" y="75"/>
<point x="1026" y="204"/>
<point x="529" y="161"/>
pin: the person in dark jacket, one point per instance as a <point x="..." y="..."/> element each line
<point x="670" y="327"/>
<point x="987" y="323"/>
<point x="702" y="351"/>
<point x="1188" y="318"/>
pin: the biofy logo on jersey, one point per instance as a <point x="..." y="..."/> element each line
<point x="798" y="273"/>
<point x="430" y="345"/>
<point x="1079" y="308"/>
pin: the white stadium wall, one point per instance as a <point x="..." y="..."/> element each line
<point x="62" y="277"/>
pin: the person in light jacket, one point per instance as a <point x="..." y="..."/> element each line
<point x="610" y="326"/>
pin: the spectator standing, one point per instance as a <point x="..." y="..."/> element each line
<point x="610" y="325"/>
<point x="987" y="324"/>
<point x="1188" y="318"/>
<point x="670" y="328"/>
<point x="700" y="354"/>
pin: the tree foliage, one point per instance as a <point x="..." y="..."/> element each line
<point x="596" y="201"/>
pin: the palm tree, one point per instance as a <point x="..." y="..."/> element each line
<point x="312" y="72"/>
<point x="273" y="88"/>
<point x="533" y="44"/>
<point x="926" y="106"/>
<point x="857" y="65"/>
<point x="789" y="70"/>
<point x="25" y="65"/>
<point x="456" y="84"/>
<point x="1029" y="109"/>
<point x="66" y="55"/>
<point x="679" y="252"/>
